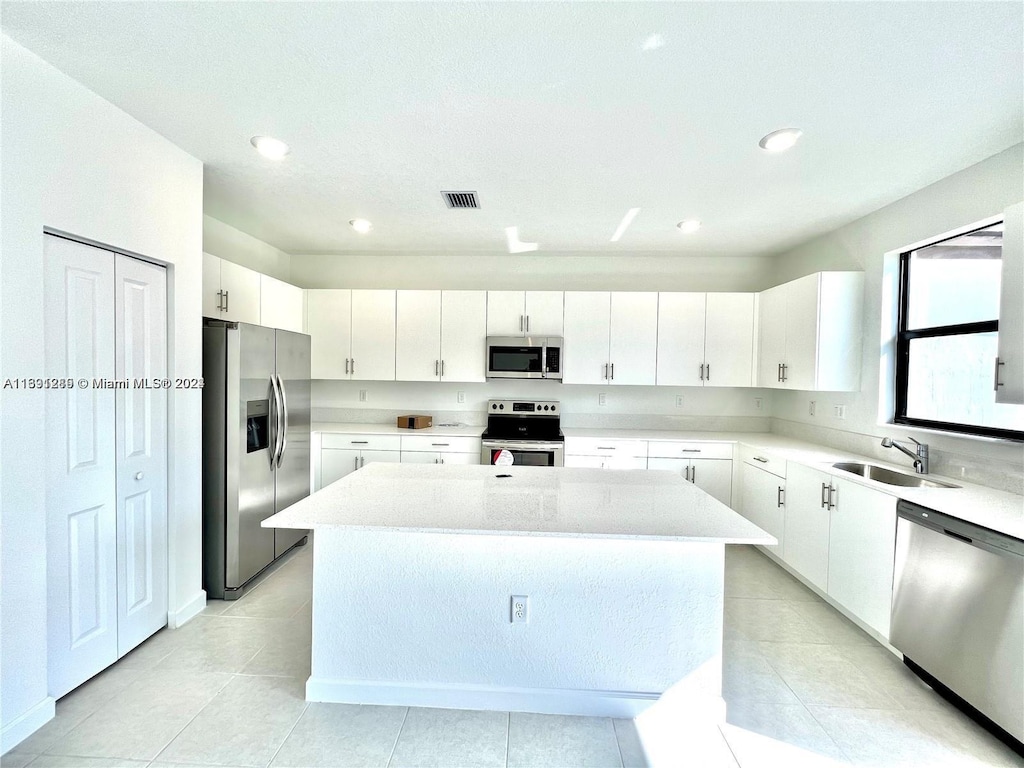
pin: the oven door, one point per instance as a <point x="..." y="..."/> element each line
<point x="524" y="453"/>
<point x="516" y="358"/>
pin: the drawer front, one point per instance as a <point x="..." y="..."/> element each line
<point x="681" y="449"/>
<point x="441" y="444"/>
<point x="361" y="442"/>
<point x="761" y="459"/>
<point x="600" y="446"/>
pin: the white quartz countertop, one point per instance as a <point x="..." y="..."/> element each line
<point x="997" y="510"/>
<point x="529" y="501"/>
<point x="391" y="429"/>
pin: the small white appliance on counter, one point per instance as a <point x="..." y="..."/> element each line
<point x="524" y="357"/>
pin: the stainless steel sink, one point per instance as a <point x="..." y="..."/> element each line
<point x="889" y="476"/>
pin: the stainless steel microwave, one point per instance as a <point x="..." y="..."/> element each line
<point x="524" y="357"/>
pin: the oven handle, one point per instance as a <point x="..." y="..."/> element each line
<point x="521" y="446"/>
<point x="543" y="359"/>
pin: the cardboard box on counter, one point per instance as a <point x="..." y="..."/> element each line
<point x="415" y="422"/>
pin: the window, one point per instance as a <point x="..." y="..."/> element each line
<point x="946" y="343"/>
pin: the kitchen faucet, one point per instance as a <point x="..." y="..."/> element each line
<point x="920" y="457"/>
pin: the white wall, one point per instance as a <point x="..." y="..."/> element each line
<point x="977" y="192"/>
<point x="226" y="242"/>
<point x="544" y="271"/>
<point x="75" y="163"/>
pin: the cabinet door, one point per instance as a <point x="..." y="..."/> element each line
<point x="140" y="346"/>
<point x="1011" y="309"/>
<point x="681" y="339"/>
<point x="373" y="335"/>
<point x="760" y="492"/>
<point x="506" y="313"/>
<point x="329" y="325"/>
<point x="587" y="326"/>
<point x="807" y="523"/>
<point x="771" y="351"/>
<point x="802" y="333"/>
<point x="728" y="340"/>
<point x="281" y="304"/>
<point x="80" y="468"/>
<point x="862" y="551"/>
<point x="213" y="303"/>
<point x="335" y="463"/>
<point x="241" y="288"/>
<point x="387" y="457"/>
<point x="545" y="313"/>
<point x="633" y="346"/>
<point x="418" y="336"/>
<point x="713" y="476"/>
<point x="463" y="335"/>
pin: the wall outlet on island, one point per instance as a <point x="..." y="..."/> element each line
<point x="520" y="609"/>
<point x="602" y="398"/>
<point x="362" y="395"/>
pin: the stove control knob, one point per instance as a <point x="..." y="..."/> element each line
<point x="502" y="406"/>
<point x="494" y="406"/>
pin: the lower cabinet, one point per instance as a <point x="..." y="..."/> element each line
<point x="711" y="475"/>
<point x="335" y="463"/>
<point x="807" y="523"/>
<point x="763" y="502"/>
<point x="605" y="453"/>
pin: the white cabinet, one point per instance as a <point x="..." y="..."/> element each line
<point x="440" y="449"/>
<point x="353" y="334"/>
<point x="440" y="335"/>
<point x="762" y="502"/>
<point x="807" y="523"/>
<point x="518" y="313"/>
<point x="281" y="304"/>
<point x="605" y="453"/>
<point x="1010" y="366"/>
<point x="610" y="337"/>
<point x="705" y="339"/>
<point x="711" y="475"/>
<point x="810" y="333"/>
<point x="230" y="292"/>
<point x="341" y="454"/>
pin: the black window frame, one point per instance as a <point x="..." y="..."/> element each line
<point x="903" y="338"/>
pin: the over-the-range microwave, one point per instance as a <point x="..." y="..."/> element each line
<point x="524" y="357"/>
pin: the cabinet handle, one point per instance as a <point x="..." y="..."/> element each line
<point x="445" y="445"/>
<point x="437" y="364"/>
<point x="691" y="450"/>
<point x="778" y="500"/>
<point x="831" y="490"/>
<point x="702" y="371"/>
<point x="605" y="377"/>
<point x="346" y="366"/>
<point x="442" y="369"/>
<point x="442" y="460"/>
<point x="527" y="323"/>
<point x="762" y="459"/>
<point x="686" y="472"/>
<point x="693" y="474"/>
<point x="139" y="475"/>
<point x="709" y="371"/>
<point x="784" y="367"/>
<point x="227" y="297"/>
<point x="360" y="442"/>
<point x="606" y="447"/>
<point x="362" y="461"/>
<point x="998" y="383"/>
<point x="824" y="496"/>
<point x="778" y="372"/>
<point x="355" y="464"/>
<point x="353" y="366"/>
<point x="521" y="323"/>
<point x="220" y="301"/>
<point x="613" y="371"/>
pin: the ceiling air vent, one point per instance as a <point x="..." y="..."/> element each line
<point x="460" y="199"/>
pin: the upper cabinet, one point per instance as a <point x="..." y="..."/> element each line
<point x="810" y="333"/>
<point x="706" y="339"/>
<point x="440" y="335"/>
<point x="281" y="304"/>
<point x="230" y="292"/>
<point x="521" y="313"/>
<point x="353" y="334"/>
<point x="610" y="337"/>
<point x="1009" y="383"/>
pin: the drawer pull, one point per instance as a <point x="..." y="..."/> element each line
<point x="606" y="447"/>
<point x="691" y="450"/>
<point x="762" y="459"/>
<point x="441" y="444"/>
<point x="360" y="442"/>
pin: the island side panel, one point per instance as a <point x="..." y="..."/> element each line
<point x="424" y="619"/>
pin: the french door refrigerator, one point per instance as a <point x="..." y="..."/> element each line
<point x="256" y="447"/>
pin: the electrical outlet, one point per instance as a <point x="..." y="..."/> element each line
<point x="520" y="609"/>
<point x="839" y="411"/>
<point x="679" y="401"/>
<point x="461" y="397"/>
<point x="602" y="398"/>
<point x="758" y="402"/>
<point x="362" y="395"/>
<point x="810" y="408"/>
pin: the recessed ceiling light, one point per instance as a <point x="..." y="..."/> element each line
<point x="688" y="226"/>
<point x="624" y="224"/>
<point x="269" y="147"/>
<point x="781" y="140"/>
<point x="362" y="226"/>
<point x="652" y="42"/>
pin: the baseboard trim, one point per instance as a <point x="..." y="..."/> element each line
<point x="24" y="726"/>
<point x="188" y="611"/>
<point x="549" y="701"/>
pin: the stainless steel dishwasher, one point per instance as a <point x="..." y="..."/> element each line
<point x="958" y="610"/>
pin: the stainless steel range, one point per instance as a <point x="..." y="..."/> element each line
<point x="522" y="432"/>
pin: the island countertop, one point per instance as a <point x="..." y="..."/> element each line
<point x="528" y="501"/>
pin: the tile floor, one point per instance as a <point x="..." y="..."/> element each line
<point x="804" y="688"/>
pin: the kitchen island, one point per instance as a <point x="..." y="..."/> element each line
<point x="416" y="569"/>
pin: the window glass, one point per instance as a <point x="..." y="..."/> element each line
<point x="956" y="281"/>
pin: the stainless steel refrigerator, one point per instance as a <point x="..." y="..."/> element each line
<point x="256" y="410"/>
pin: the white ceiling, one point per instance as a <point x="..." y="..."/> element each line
<point x="552" y="112"/>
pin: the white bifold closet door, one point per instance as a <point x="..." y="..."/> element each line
<point x="106" y="468"/>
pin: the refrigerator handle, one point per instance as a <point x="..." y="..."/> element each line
<point x="275" y="422"/>
<point x="282" y="420"/>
